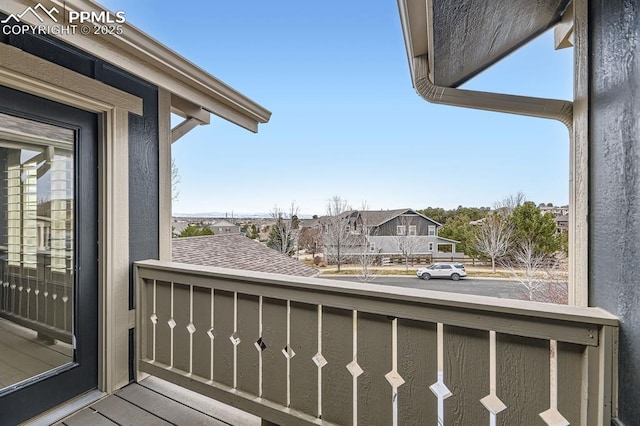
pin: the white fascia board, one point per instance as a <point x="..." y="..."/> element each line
<point x="415" y="20"/>
<point x="138" y="53"/>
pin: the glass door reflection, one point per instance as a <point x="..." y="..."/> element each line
<point x="36" y="249"/>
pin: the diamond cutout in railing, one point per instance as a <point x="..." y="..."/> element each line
<point x="440" y="390"/>
<point x="319" y="360"/>
<point x="36" y="292"/>
<point x="172" y="323"/>
<point x="552" y="417"/>
<point x="13" y="286"/>
<point x="493" y="404"/>
<point x="54" y="296"/>
<point x="288" y="352"/>
<point x="191" y="328"/>
<point x="28" y="290"/>
<point x="211" y="333"/>
<point x="394" y="379"/>
<point x="65" y="299"/>
<point x="235" y="339"/>
<point x="354" y="368"/>
<point x="260" y="345"/>
<point x="45" y="294"/>
<point x="20" y="288"/>
<point x="153" y="318"/>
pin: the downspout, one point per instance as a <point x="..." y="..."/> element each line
<point x="513" y="104"/>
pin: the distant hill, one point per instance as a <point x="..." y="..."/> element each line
<point x="235" y="215"/>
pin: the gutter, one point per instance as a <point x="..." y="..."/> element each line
<point x="512" y="104"/>
<point x="419" y="67"/>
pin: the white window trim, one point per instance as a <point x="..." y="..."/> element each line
<point x="413" y="230"/>
<point x="431" y="230"/>
<point x="401" y="230"/>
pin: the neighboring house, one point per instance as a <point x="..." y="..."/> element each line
<point x="85" y="191"/>
<point x="177" y="226"/>
<point x="555" y="210"/>
<point x="236" y="251"/>
<point x="384" y="232"/>
<point x="224" y="227"/>
<point x="562" y="223"/>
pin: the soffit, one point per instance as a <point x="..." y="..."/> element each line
<point x="464" y="37"/>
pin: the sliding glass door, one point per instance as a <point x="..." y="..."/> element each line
<point x="48" y="254"/>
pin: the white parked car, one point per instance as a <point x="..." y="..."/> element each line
<point x="455" y="271"/>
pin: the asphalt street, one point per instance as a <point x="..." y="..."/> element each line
<point x="483" y="287"/>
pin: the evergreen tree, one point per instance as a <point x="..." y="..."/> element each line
<point x="193" y="230"/>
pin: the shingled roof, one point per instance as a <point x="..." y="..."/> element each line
<point x="236" y="251"/>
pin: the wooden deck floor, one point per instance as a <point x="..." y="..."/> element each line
<point x="23" y="355"/>
<point x="156" y="402"/>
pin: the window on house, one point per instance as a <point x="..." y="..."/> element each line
<point x="401" y="230"/>
<point x="430" y="247"/>
<point x="372" y="246"/>
<point x="413" y="230"/>
<point x="431" y="230"/>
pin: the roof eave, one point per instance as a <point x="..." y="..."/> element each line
<point x="136" y="52"/>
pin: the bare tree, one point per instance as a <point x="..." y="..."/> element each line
<point x="537" y="272"/>
<point x="366" y="256"/>
<point x="510" y="203"/>
<point x="493" y="237"/>
<point x="283" y="236"/>
<point x="175" y="180"/>
<point x="337" y="237"/>
<point x="407" y="244"/>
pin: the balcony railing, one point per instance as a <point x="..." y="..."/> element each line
<point x="312" y="351"/>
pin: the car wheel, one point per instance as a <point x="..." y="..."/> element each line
<point x="455" y="277"/>
<point x="425" y="276"/>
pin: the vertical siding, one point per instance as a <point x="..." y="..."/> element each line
<point x="163" y="312"/>
<point x="522" y="379"/>
<point x="304" y="372"/>
<point x="417" y="364"/>
<point x="248" y="356"/>
<point x="181" y="337"/>
<point x="614" y="181"/>
<point x="570" y="364"/>
<point x="374" y="357"/>
<point x="389" y="228"/>
<point x="466" y="374"/>
<point x="337" y="348"/>
<point x="274" y="363"/>
<point x="201" y="341"/>
<point x="222" y="347"/>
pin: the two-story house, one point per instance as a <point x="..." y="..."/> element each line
<point x="395" y="232"/>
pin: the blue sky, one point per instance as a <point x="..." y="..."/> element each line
<point x="346" y="120"/>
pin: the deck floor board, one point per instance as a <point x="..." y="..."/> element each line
<point x="164" y="407"/>
<point x="156" y="402"/>
<point x="123" y="412"/>
<point x="88" y="416"/>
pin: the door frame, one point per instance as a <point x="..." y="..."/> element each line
<point x="31" y="74"/>
<point x="78" y="375"/>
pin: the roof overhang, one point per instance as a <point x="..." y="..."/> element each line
<point x="463" y="37"/>
<point x="450" y="41"/>
<point x="196" y="92"/>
